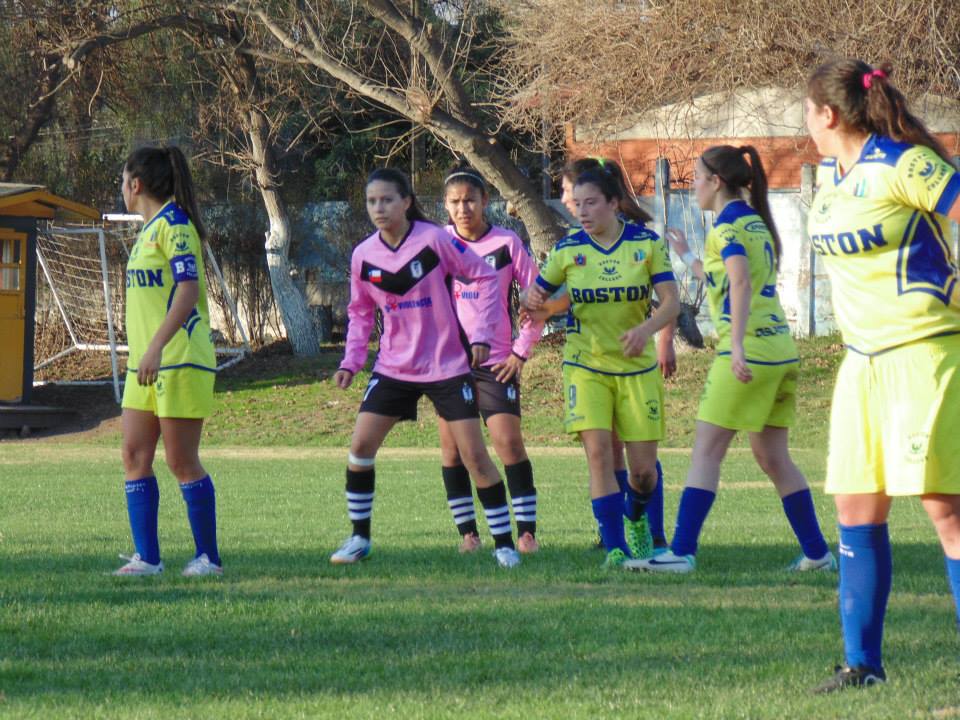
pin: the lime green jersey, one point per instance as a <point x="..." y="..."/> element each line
<point x="739" y="230"/>
<point x="881" y="231"/>
<point x="167" y="252"/>
<point x="610" y="291"/>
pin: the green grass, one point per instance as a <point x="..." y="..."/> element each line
<point x="419" y="631"/>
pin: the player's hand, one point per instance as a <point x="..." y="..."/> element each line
<point x="634" y="341"/>
<point x="510" y="368"/>
<point x="738" y="363"/>
<point x="533" y="297"/>
<point x="343" y="378"/>
<point x="480" y="354"/>
<point x="149" y="366"/>
<point x="677" y="240"/>
<point x="525" y="317"/>
<point x="666" y="357"/>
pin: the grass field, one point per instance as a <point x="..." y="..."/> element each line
<point x="419" y="631"/>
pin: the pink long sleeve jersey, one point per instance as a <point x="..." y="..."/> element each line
<point x="410" y="284"/>
<point x="508" y="256"/>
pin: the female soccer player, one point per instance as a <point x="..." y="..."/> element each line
<point x="752" y="383"/>
<point x="666" y="355"/>
<point x="172" y="363"/>
<point x="402" y="270"/>
<point x="498" y="380"/>
<point x="887" y="187"/>
<point x="611" y="374"/>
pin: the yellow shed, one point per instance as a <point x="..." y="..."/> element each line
<point x="22" y="208"/>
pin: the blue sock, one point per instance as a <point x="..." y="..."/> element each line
<point x="623" y="481"/>
<point x="798" y="507"/>
<point x="202" y="513"/>
<point x="953" y="574"/>
<point x="608" y="510"/>
<point x="635" y="504"/>
<point x="695" y="504"/>
<point x="866" y="570"/>
<point x="143" y="505"/>
<point x="655" y="510"/>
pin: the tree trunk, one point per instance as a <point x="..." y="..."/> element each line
<point x="297" y="320"/>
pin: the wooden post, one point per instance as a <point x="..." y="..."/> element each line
<point x="807" y="280"/>
<point x="661" y="195"/>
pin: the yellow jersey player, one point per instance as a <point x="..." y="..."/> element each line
<point x="752" y="383"/>
<point x="612" y="378"/>
<point x="172" y="364"/>
<point x="878" y="221"/>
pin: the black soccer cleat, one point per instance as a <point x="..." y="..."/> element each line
<point x="847" y="677"/>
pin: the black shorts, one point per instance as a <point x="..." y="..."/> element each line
<point x="453" y="399"/>
<point x="496" y="397"/>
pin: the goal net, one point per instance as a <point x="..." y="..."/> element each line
<point x="81" y="278"/>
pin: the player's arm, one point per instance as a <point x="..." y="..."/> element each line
<point x="635" y="339"/>
<point x="551" y="277"/>
<point x="185" y="298"/>
<point x="361" y="314"/>
<point x="525" y="272"/>
<point x="666" y="353"/>
<point x="738" y="274"/>
<point x="954" y="213"/>
<point x="678" y="243"/>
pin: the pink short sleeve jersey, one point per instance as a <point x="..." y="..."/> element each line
<point x="506" y="254"/>
<point x="411" y="286"/>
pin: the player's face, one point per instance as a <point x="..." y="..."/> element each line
<point x="386" y="208"/>
<point x="567" y="197"/>
<point x="595" y="213"/>
<point x="704" y="185"/>
<point x="819" y="121"/>
<point x="465" y="204"/>
<point x="129" y="196"/>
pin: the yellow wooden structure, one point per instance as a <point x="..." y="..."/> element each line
<point x="22" y="209"/>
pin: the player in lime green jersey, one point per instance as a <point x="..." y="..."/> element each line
<point x="172" y="364"/>
<point x="752" y="384"/>
<point x="879" y="222"/>
<point x="611" y="269"/>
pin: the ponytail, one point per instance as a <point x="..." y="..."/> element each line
<point x="730" y="165"/>
<point x="868" y="102"/>
<point x="401" y="182"/>
<point x="165" y="173"/>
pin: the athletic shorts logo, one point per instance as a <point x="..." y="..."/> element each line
<point x="572" y="396"/>
<point x="416" y="269"/>
<point x="511" y="393"/>
<point x="653" y="409"/>
<point x="467" y="393"/>
<point x="916" y="451"/>
<point x="158" y="386"/>
<point x="370" y="386"/>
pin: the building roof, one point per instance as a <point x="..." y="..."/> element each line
<point x="35" y="201"/>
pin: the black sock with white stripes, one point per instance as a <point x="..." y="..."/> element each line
<point x="523" y="496"/>
<point x="494" y="501"/>
<point x="456" y="480"/>
<point x="360" y="500"/>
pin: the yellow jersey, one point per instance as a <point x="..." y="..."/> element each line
<point x="167" y="252"/>
<point x="610" y="291"/>
<point x="739" y="230"/>
<point x="882" y="232"/>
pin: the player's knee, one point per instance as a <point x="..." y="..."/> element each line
<point x="644" y="480"/>
<point x="511" y="450"/>
<point x="184" y="469"/>
<point x="476" y="460"/>
<point x="137" y="460"/>
<point x="772" y="464"/>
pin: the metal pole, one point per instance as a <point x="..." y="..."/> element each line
<point x="109" y="306"/>
<point x="226" y="293"/>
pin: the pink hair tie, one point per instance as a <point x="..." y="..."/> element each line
<point x="868" y="78"/>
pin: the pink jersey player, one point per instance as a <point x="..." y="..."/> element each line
<point x="410" y="284"/>
<point x="508" y="256"/>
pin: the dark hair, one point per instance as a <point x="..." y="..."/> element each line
<point x="401" y="182"/>
<point x="164" y="173"/>
<point x="609" y="169"/>
<point x="465" y="174"/>
<point x="867" y="101"/>
<point x="730" y="165"/>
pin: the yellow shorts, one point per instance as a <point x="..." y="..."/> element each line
<point x="895" y="421"/>
<point x="769" y="399"/>
<point x="630" y="404"/>
<point x="179" y="393"/>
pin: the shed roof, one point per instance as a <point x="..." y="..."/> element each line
<point x="35" y="201"/>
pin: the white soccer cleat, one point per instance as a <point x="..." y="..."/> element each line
<point x="136" y="567"/>
<point x="664" y="563"/>
<point x="355" y="548"/>
<point x="507" y="557"/>
<point x="201" y="567"/>
<point x="804" y="564"/>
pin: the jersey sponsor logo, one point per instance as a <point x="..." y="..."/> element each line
<point x="756" y="226"/>
<point x="467" y="392"/>
<point x="184" y="268"/>
<point x="618" y="293"/>
<point x="461" y="293"/>
<point x="144" y="278"/>
<point x="610" y="270"/>
<point x="580" y="259"/>
<point x="406" y="277"/>
<point x="849" y="243"/>
<point x="395" y="304"/>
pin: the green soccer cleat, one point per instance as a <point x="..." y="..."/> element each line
<point x="615" y="559"/>
<point x="639" y="539"/>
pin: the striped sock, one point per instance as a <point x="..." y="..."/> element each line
<point x="494" y="501"/>
<point x="456" y="480"/>
<point x="523" y="496"/>
<point x="360" y="500"/>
